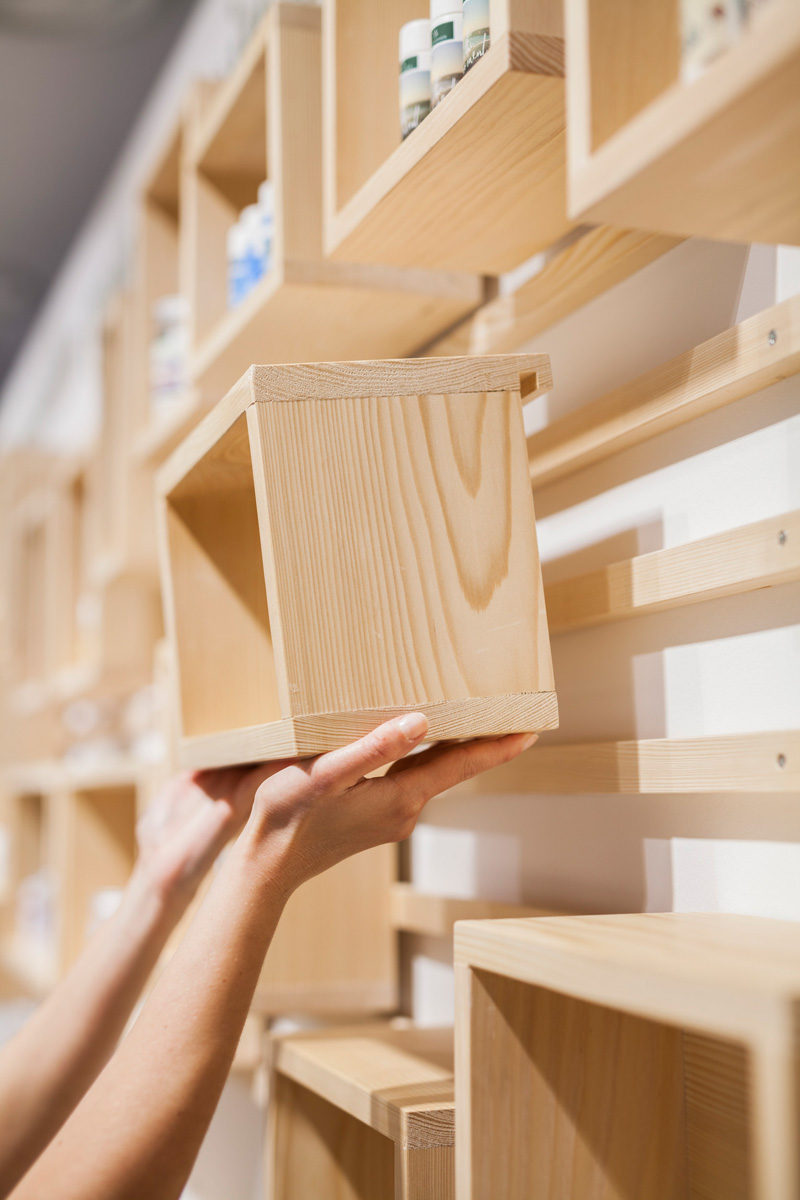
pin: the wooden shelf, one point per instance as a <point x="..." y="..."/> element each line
<point x="761" y="555"/>
<point x="325" y="595"/>
<point x="744" y="359"/>
<point x="645" y="1055"/>
<point x="265" y="122"/>
<point x="417" y="203"/>
<point x="748" y="762"/>
<point x="714" y="157"/>
<point x="335" y="951"/>
<point x="366" y="1111"/>
<point x="435" y="916"/>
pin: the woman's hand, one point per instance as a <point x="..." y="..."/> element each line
<point x="309" y="815"/>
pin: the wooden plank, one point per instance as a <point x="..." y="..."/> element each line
<point x="748" y="762"/>
<point x="435" y="916"/>
<point x="713" y="157"/>
<point x="736" y="363"/>
<point x="584" y="269"/>
<point x="764" y="554"/>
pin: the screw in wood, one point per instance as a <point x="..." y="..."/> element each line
<point x="772" y="337"/>
<point x="781" y="761"/>
<point x="782" y="537"/>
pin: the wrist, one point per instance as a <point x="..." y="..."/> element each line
<point x="266" y="861"/>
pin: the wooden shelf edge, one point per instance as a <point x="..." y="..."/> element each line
<point x="736" y="363"/>
<point x="744" y="559"/>
<point x="435" y="916"/>
<point x="757" y="763"/>
<point x="352" y="997"/>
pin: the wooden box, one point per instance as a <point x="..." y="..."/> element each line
<point x="627" y="1056"/>
<point x="342" y="542"/>
<point x="361" y="1112"/>
<point x="480" y="184"/>
<point x="712" y="156"/>
<point x="266" y="123"/>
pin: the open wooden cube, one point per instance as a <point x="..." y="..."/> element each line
<point x="627" y="1056"/>
<point x="265" y="123"/>
<point x="362" y="1112"/>
<point x="343" y="542"/>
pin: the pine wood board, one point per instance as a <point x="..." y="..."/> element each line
<point x="740" y="361"/>
<point x="435" y="916"/>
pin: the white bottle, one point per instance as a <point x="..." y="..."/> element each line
<point x="475" y="31"/>
<point x="415" y="74"/>
<point x="447" y="51"/>
<point x="266" y="208"/>
<point x="238" y="268"/>
<point x="250" y="221"/>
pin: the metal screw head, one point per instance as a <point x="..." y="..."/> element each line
<point x="781" y="761"/>
<point x="782" y="537"/>
<point x="772" y="337"/>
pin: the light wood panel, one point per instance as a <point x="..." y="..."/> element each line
<point x="379" y="191"/>
<point x="627" y="1055"/>
<point x="712" y="157"/>
<point x="360" y="1112"/>
<point x="764" y="554"/>
<point x="435" y="916"/>
<point x="748" y="762"/>
<point x="341" y="622"/>
<point x="736" y="363"/>
<point x="266" y="123"/>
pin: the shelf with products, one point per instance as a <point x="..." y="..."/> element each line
<point x="636" y="1055"/>
<point x="260" y="288"/>
<point x="709" y="154"/>
<point x="479" y="185"/>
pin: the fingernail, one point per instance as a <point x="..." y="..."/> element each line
<point x="413" y="726"/>
<point x="529" y="740"/>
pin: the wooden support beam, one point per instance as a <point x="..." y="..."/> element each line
<point x="419" y="912"/>
<point x="755" y="556"/>
<point x="736" y="363"/>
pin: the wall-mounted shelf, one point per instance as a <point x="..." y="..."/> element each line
<point x="454" y="194"/>
<point x="738" y="362"/>
<point x="366" y="1111"/>
<point x="265" y="123"/>
<point x="764" y="554"/>
<point x="712" y="157"/>
<point x="324" y="600"/>
<point x="644" y="1055"/>
<point x="435" y="916"/>
<point x="747" y="762"/>
<point x="335" y="951"/>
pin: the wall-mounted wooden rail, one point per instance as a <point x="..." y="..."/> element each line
<point x="761" y="555"/>
<point x="747" y="762"/>
<point x="435" y="916"/>
<point x="736" y="363"/>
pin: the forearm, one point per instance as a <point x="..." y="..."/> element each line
<point x="59" y="1053"/>
<point x="137" y="1132"/>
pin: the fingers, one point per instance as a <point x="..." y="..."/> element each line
<point x="443" y="767"/>
<point x="343" y="768"/>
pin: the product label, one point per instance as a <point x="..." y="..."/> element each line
<point x="442" y="33"/>
<point x="476" y="30"/>
<point x="415" y="99"/>
<point x="408" y="64"/>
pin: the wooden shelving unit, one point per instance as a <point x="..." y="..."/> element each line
<point x="764" y="554"/>
<point x="738" y="362"/>
<point x="714" y="157"/>
<point x="435" y="916"/>
<point x="326" y="597"/>
<point x="366" y="1111"/>
<point x="644" y="1055"/>
<point x="752" y="763"/>
<point x="265" y="122"/>
<point x="392" y="202"/>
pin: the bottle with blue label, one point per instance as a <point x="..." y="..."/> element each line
<point x="266" y="209"/>
<point x="238" y="265"/>
<point x="447" y="51"/>
<point x="415" y="74"/>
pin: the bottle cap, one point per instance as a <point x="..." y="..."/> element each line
<point x="444" y="8"/>
<point x="415" y="37"/>
<point x="237" y="241"/>
<point x="266" y="197"/>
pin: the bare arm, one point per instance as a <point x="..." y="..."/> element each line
<point x="138" y="1130"/>
<point x="49" y="1066"/>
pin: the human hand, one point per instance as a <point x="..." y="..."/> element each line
<point x="309" y="815"/>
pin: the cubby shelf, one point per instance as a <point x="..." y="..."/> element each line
<point x="764" y="554"/>
<point x="365" y="1111"/>
<point x="265" y="123"/>
<point x="736" y="363"/>
<point x="646" y="1055"/>
<point x="749" y="762"/>
<point x="713" y="157"/>
<point x="435" y="916"/>
<point x="457" y="193"/>
<point x="343" y="482"/>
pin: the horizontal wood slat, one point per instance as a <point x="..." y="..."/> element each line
<point x="435" y="916"/>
